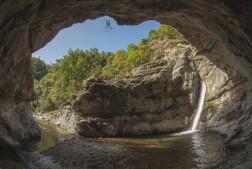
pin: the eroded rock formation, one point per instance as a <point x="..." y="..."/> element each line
<point x="159" y="97"/>
<point x="220" y="30"/>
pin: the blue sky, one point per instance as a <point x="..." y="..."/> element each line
<point x="94" y="34"/>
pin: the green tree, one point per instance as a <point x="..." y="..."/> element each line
<point x="39" y="68"/>
<point x="67" y="75"/>
<point x="137" y="55"/>
<point x="115" y="64"/>
<point x="166" y="32"/>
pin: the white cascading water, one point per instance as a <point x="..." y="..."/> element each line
<point x="199" y="111"/>
<point x="200" y="107"/>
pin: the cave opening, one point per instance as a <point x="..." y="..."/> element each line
<point x="58" y="84"/>
<point x="100" y="40"/>
<point x="219" y="31"/>
<point x="170" y="85"/>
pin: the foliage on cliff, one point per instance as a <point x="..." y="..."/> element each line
<point x="68" y="74"/>
<point x="39" y="68"/>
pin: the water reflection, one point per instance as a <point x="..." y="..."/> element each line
<point x="208" y="150"/>
<point x="50" y="136"/>
<point x="190" y="151"/>
<point x="196" y="150"/>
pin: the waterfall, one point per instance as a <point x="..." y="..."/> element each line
<point x="199" y="111"/>
<point x="200" y="107"/>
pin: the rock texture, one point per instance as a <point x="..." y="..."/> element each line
<point x="246" y="165"/>
<point x="220" y="31"/>
<point x="159" y="97"/>
<point x="16" y="123"/>
<point x="67" y="118"/>
<point x="141" y="104"/>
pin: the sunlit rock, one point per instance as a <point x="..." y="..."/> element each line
<point x="151" y="101"/>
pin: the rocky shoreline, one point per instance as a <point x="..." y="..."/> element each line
<point x="89" y="153"/>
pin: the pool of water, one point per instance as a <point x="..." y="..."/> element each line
<point x="193" y="150"/>
<point x="29" y="154"/>
<point x="188" y="151"/>
<point x="50" y="136"/>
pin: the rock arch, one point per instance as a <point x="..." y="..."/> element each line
<point x="220" y="31"/>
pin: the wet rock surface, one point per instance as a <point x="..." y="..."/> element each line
<point x="240" y="156"/>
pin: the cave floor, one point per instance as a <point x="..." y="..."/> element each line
<point x="54" y="151"/>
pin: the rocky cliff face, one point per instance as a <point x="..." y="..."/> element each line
<point x="159" y="97"/>
<point x="228" y="95"/>
<point x="220" y="31"/>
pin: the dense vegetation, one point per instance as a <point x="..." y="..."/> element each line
<point x="39" y="68"/>
<point x="57" y="82"/>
